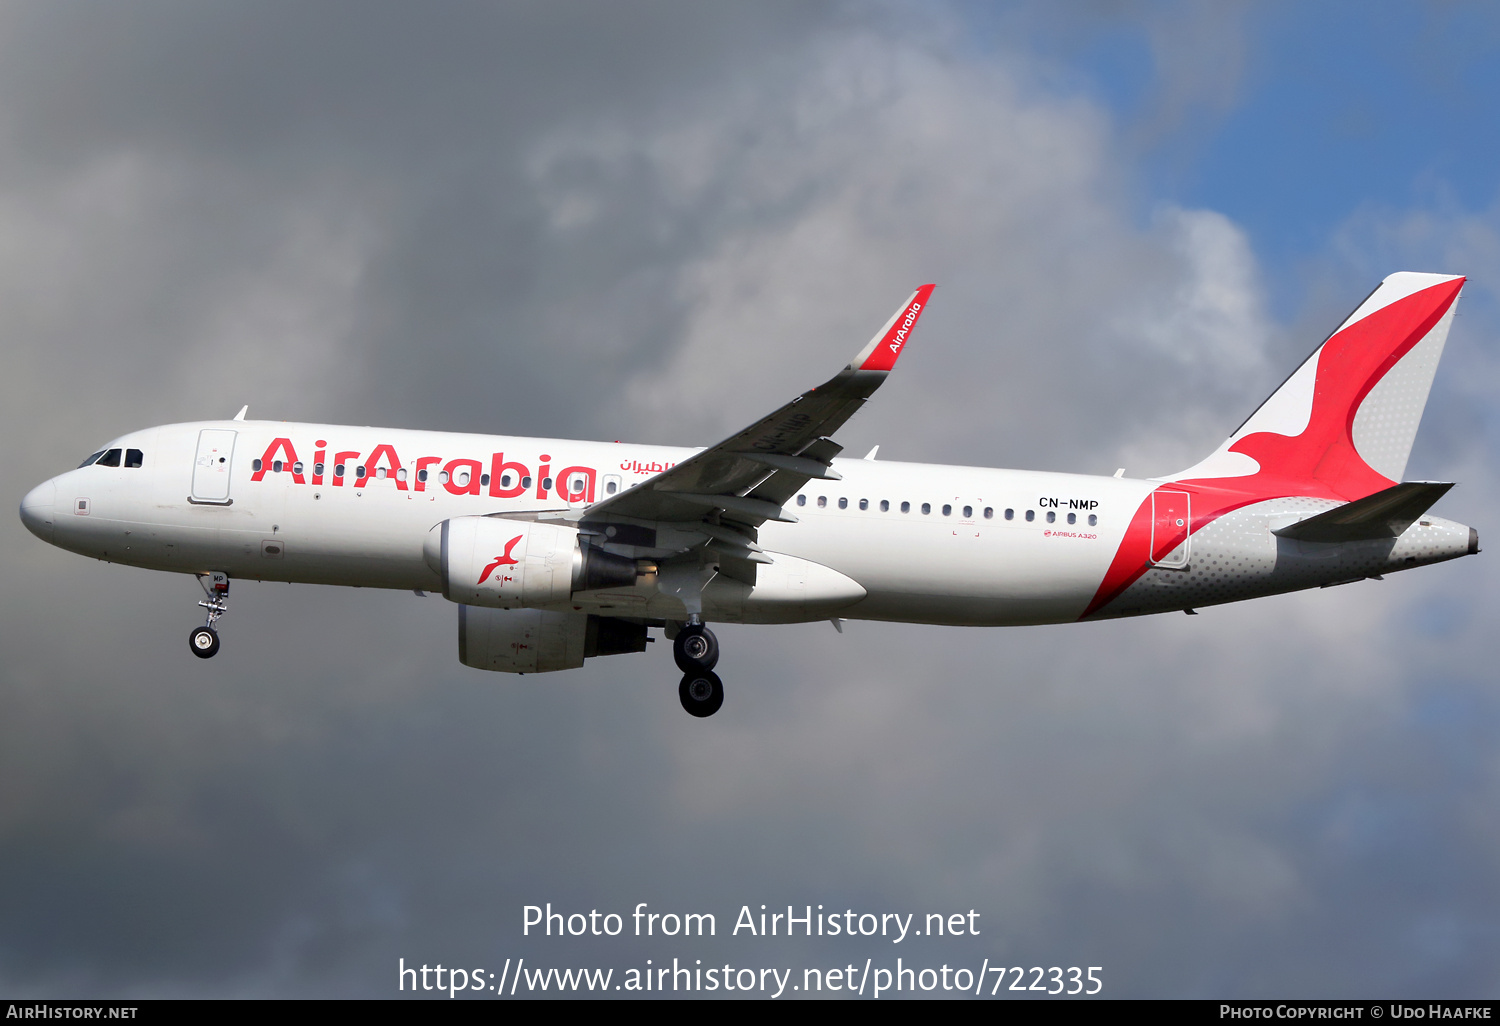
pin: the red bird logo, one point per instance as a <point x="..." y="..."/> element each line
<point x="501" y="560"/>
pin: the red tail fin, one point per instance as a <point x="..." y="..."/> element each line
<point x="1342" y="426"/>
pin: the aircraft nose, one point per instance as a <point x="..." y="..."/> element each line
<point x="36" y="510"/>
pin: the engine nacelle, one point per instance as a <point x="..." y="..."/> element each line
<point x="492" y="561"/>
<point x="540" y="640"/>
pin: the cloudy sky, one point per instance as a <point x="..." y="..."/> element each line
<point x="657" y="221"/>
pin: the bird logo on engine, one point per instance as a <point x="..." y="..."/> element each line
<point x="502" y="560"/>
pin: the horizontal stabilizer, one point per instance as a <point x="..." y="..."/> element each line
<point x="1385" y="514"/>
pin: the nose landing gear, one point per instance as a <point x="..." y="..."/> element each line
<point x="696" y="652"/>
<point x="204" y="641"/>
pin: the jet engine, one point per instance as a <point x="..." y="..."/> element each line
<point x="539" y="640"/>
<point x="493" y="561"/>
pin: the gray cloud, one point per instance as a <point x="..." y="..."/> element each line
<point x="656" y="222"/>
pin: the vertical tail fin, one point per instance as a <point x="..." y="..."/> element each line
<point x="1342" y="425"/>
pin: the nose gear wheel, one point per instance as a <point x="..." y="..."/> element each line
<point x="204" y="642"/>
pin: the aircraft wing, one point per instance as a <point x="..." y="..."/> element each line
<point x="745" y="480"/>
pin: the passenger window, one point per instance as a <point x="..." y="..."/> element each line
<point x="275" y="466"/>
<point x="947" y="509"/>
<point x="463" y="479"/>
<point x="1051" y="516"/>
<point x="926" y="508"/>
<point x="989" y="513"/>
<point x="1030" y="515"/>
<point x="297" y="467"/>
<point x="134" y="457"/>
<point x="546" y="483"/>
<point x="505" y="480"/>
<point x="360" y="472"/>
<point x="318" y="469"/>
<point x="968" y="512"/>
<point x="91" y="459"/>
<point x="110" y="458"/>
<point x="338" y="470"/>
<point x="401" y="474"/>
<point x="1010" y="514"/>
<point x="1093" y="520"/>
<point x="843" y="503"/>
<point x="443" y="476"/>
<point x="609" y="487"/>
<point x="864" y="503"/>
<point x="255" y="465"/>
<point x="484" y="479"/>
<point x="1072" y="518"/>
<point x="906" y="507"/>
<point x="802" y="500"/>
<point x="885" y="505"/>
<point x="525" y="481"/>
<point x="822" y="501"/>
<point x="421" y="475"/>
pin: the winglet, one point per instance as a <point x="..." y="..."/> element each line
<point x="886" y="346"/>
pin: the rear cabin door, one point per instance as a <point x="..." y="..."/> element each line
<point x="1171" y="524"/>
<point x="212" y="465"/>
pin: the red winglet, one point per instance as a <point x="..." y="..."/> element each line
<point x="885" y="347"/>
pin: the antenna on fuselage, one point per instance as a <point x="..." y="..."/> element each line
<point x="243" y="410"/>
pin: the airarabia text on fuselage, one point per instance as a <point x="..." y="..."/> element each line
<point x="504" y="478"/>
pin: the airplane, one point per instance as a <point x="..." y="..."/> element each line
<point x="557" y="551"/>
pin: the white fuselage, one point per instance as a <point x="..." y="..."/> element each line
<point x="924" y="543"/>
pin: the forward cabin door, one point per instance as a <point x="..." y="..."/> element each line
<point x="212" y="465"/>
<point x="1171" y="526"/>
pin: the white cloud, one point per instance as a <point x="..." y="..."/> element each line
<point x="818" y="201"/>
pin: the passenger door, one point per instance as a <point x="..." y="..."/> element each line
<point x="212" y="466"/>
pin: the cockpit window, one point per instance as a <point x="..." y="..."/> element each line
<point x="91" y="459"/>
<point x="110" y="458"/>
<point x="134" y="457"/>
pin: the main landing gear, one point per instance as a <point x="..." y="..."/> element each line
<point x="696" y="651"/>
<point x="204" y="641"/>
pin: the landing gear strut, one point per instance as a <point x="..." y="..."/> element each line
<point x="204" y="641"/>
<point x="696" y="651"/>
